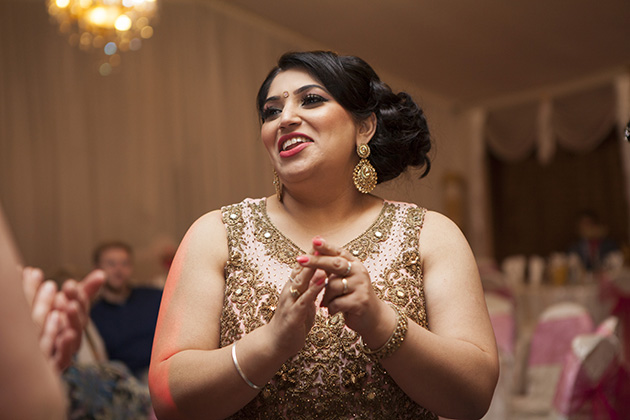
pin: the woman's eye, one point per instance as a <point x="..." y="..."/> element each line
<point x="312" y="99"/>
<point x="270" y="112"/>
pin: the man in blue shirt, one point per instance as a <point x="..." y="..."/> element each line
<point x="125" y="316"/>
<point x="594" y="244"/>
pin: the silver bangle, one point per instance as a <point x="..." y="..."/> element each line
<point x="240" y="372"/>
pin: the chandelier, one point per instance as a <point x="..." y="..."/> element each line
<point x="112" y="26"/>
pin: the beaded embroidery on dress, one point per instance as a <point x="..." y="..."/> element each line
<point x="330" y="378"/>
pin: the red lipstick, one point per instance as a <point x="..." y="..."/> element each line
<point x="296" y="148"/>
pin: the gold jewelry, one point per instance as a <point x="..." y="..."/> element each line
<point x="348" y="269"/>
<point x="277" y="185"/>
<point x="285" y="94"/>
<point x="240" y="371"/>
<point x="394" y="341"/>
<point x="345" y="286"/>
<point x="364" y="175"/>
<point x="294" y="292"/>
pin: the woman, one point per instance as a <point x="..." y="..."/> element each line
<point x="265" y="315"/>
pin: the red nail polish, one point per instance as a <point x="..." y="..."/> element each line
<point x="302" y="259"/>
<point x="318" y="242"/>
<point x="321" y="281"/>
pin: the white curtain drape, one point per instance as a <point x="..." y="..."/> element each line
<point x="511" y="132"/>
<point x="137" y="155"/>
<point x="582" y="120"/>
<point x="577" y="121"/>
<point x="140" y="154"/>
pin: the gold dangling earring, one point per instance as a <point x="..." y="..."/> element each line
<point x="277" y="185"/>
<point x="364" y="175"/>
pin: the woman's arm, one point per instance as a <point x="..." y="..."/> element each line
<point x="453" y="368"/>
<point x="450" y="369"/>
<point x="189" y="376"/>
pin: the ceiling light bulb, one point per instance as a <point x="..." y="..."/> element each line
<point x="123" y="23"/>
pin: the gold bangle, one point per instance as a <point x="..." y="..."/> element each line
<point x="240" y="372"/>
<point x="394" y="341"/>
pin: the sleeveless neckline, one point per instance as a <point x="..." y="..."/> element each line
<point x="367" y="232"/>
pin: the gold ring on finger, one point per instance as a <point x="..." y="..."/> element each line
<point x="294" y="292"/>
<point x="345" y="286"/>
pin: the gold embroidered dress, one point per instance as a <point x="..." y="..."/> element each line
<point x="330" y="377"/>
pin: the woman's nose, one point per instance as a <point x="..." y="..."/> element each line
<point x="290" y="116"/>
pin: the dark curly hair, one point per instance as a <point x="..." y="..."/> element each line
<point x="402" y="136"/>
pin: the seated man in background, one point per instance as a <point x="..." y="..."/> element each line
<point x="593" y="245"/>
<point x="125" y="316"/>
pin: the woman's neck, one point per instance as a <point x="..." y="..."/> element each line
<point x="338" y="217"/>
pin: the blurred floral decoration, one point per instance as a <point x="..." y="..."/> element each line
<point x="112" y="26"/>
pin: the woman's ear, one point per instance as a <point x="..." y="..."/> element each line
<point x="367" y="128"/>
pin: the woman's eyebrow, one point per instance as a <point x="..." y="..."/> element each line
<point x="306" y="87"/>
<point x="296" y="92"/>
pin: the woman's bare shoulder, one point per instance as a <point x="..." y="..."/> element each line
<point x="442" y="238"/>
<point x="210" y="220"/>
<point x="439" y="227"/>
<point x="206" y="238"/>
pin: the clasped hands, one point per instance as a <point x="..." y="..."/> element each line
<point x="60" y="315"/>
<point x="347" y="289"/>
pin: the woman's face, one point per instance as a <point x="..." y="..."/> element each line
<point x="305" y="130"/>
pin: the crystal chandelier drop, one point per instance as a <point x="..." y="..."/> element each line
<point x="112" y="26"/>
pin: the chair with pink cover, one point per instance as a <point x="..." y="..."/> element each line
<point x="592" y="382"/>
<point x="551" y="341"/>
<point x="501" y="310"/>
<point x="615" y="285"/>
